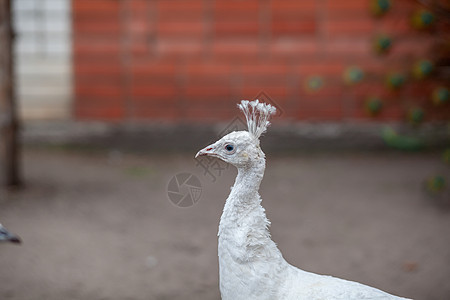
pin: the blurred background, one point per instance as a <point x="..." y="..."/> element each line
<point x="104" y="102"/>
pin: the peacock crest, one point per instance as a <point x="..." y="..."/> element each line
<point x="257" y="115"/>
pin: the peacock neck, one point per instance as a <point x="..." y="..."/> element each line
<point x="243" y="230"/>
<point x="246" y="186"/>
<point x="244" y="197"/>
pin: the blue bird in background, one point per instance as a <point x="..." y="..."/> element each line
<point x="6" y="236"/>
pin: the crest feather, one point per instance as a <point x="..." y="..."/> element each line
<point x="257" y="115"/>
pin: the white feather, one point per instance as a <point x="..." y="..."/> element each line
<point x="257" y="115"/>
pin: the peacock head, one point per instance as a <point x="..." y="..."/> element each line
<point x="241" y="148"/>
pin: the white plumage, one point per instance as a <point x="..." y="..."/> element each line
<point x="250" y="264"/>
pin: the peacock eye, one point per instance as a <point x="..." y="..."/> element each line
<point x="229" y="148"/>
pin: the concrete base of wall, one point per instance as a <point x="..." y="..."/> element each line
<point x="187" y="137"/>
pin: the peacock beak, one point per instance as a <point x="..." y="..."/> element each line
<point x="208" y="150"/>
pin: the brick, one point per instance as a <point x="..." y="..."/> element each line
<point x="324" y="105"/>
<point x="108" y="26"/>
<point x="236" y="28"/>
<point x="97" y="47"/>
<point x="213" y="92"/>
<point x="404" y="7"/>
<point x="207" y="53"/>
<point x="87" y="68"/>
<point x="438" y="113"/>
<point x="265" y="69"/>
<point x="97" y="91"/>
<point x="377" y="67"/>
<point x="348" y="47"/>
<point x="179" y="28"/>
<point x="260" y="83"/>
<point x="139" y="27"/>
<point x="139" y="6"/>
<point x="323" y="67"/>
<point x="394" y="26"/>
<point x="213" y="69"/>
<point x="110" y="79"/>
<point x="163" y="112"/>
<point x="97" y="7"/>
<point x="158" y="91"/>
<point x="179" y="47"/>
<point x="83" y="101"/>
<point x="278" y="93"/>
<point x="443" y="28"/>
<point x="294" y="47"/>
<point x="141" y="10"/>
<point x="293" y="7"/>
<point x="444" y="3"/>
<point x="179" y="5"/>
<point x="331" y="90"/>
<point x="236" y="49"/>
<point x="203" y="114"/>
<point x="109" y="109"/>
<point x="317" y="101"/>
<point x="373" y="66"/>
<point x="154" y="69"/>
<point x="235" y="18"/>
<point x="298" y="26"/>
<point x="210" y="109"/>
<point x="259" y="77"/>
<point x="104" y="112"/>
<point x="97" y="27"/>
<point x="248" y="9"/>
<point x="180" y="9"/>
<point x="157" y="103"/>
<point x="100" y="18"/>
<point x="348" y="27"/>
<point x="347" y="7"/>
<point x="392" y="113"/>
<point x="419" y="89"/>
<point x="412" y="47"/>
<point x="140" y="48"/>
<point x="371" y="88"/>
<point x="320" y="113"/>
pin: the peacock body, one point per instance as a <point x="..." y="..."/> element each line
<point x="250" y="264"/>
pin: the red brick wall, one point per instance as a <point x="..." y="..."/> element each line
<point x="176" y="60"/>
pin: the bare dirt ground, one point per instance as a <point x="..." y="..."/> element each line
<point x="100" y="225"/>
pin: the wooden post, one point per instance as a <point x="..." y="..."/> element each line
<point x="9" y="146"/>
